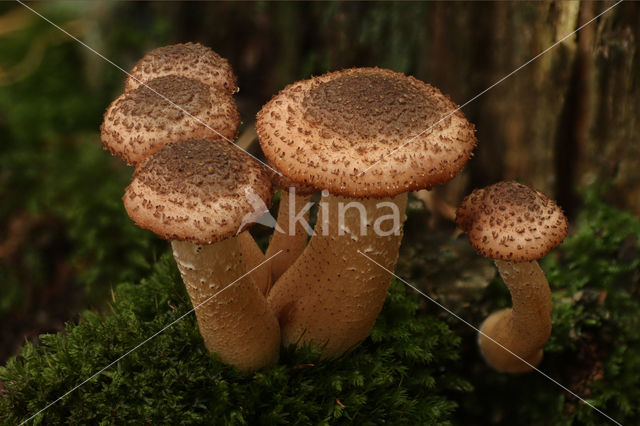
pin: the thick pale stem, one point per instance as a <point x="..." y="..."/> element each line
<point x="291" y="234"/>
<point x="253" y="256"/>
<point x="332" y="294"/>
<point x="524" y="328"/>
<point x="236" y="323"/>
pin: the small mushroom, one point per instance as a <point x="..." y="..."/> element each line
<point x="191" y="60"/>
<point x="324" y="132"/>
<point x="515" y="225"/>
<point x="193" y="193"/>
<point x="140" y="122"/>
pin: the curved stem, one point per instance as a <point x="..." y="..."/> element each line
<point x="253" y="256"/>
<point x="237" y="323"/>
<point x="524" y="328"/>
<point x="290" y="236"/>
<point x="332" y="295"/>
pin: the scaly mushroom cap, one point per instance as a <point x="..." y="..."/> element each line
<point x="140" y="122"/>
<point x="191" y="60"/>
<point x="198" y="191"/>
<point x="324" y="132"/>
<point x="283" y="182"/>
<point x="510" y="221"/>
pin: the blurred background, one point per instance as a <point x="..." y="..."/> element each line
<point x="566" y="122"/>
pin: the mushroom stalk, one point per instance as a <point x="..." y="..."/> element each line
<point x="524" y="328"/>
<point x="253" y="256"/>
<point x="290" y="235"/>
<point x="237" y="323"/>
<point x="332" y="295"/>
<point x="192" y="193"/>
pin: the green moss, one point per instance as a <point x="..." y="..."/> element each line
<point x="596" y="283"/>
<point x="400" y="375"/>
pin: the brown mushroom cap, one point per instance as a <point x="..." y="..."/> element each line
<point x="191" y="60"/>
<point x="283" y="182"/>
<point x="510" y="221"/>
<point x="140" y="122"/>
<point x="196" y="191"/>
<point x="324" y="132"/>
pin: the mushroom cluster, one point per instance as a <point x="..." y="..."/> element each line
<point x="363" y="138"/>
<point x="174" y="123"/>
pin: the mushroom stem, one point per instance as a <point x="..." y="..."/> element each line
<point x="290" y="235"/>
<point x="524" y="328"/>
<point x="332" y="295"/>
<point x="237" y="323"/>
<point x="438" y="207"/>
<point x="253" y="256"/>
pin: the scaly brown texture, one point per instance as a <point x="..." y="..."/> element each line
<point x="515" y="225"/>
<point x="234" y="319"/>
<point x="326" y="131"/>
<point x="510" y="221"/>
<point x="191" y="60"/>
<point x="140" y="122"/>
<point x="196" y="191"/>
<point x="196" y="194"/>
<point x="333" y="295"/>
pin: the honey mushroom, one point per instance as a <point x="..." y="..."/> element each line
<point x="340" y="132"/>
<point x="515" y="225"/>
<point x="174" y="93"/>
<point x="191" y="60"/>
<point x="189" y="96"/>
<point x="140" y="122"/>
<point x="193" y="194"/>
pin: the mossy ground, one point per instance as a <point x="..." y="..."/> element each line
<point x="419" y="366"/>
<point x="402" y="374"/>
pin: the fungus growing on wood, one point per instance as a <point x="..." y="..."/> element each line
<point x="515" y="225"/>
<point x="194" y="194"/>
<point x="191" y="60"/>
<point x="324" y="132"/>
<point x="140" y="122"/>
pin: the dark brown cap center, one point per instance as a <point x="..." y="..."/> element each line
<point x="202" y="169"/>
<point x="190" y="95"/>
<point x="370" y="104"/>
